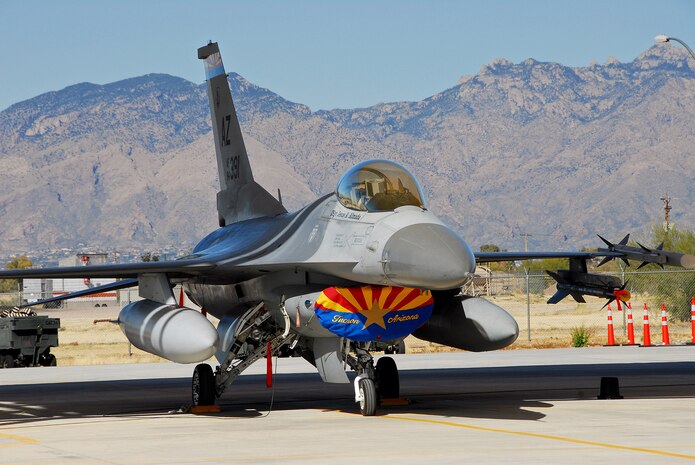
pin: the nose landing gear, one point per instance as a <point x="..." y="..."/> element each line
<point x="373" y="384"/>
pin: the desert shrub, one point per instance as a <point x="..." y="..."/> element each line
<point x="581" y="336"/>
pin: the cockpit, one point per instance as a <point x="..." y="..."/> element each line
<point x="379" y="186"/>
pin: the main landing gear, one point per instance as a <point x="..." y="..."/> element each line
<point x="373" y="383"/>
<point x="252" y="334"/>
<point x="203" y="385"/>
<point x="255" y="334"/>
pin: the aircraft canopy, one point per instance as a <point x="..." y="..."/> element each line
<point x="379" y="186"/>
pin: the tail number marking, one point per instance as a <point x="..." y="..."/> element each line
<point x="232" y="168"/>
<point x="224" y="133"/>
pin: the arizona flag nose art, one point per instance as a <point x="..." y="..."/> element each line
<point x="370" y="313"/>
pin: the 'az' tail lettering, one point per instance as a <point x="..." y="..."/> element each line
<point x="240" y="197"/>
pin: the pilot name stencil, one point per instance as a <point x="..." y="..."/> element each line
<point x="346" y="215"/>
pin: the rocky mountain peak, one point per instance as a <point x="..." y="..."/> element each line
<point x="536" y="147"/>
<point x="497" y="66"/>
<point x="667" y="56"/>
<point x="252" y="98"/>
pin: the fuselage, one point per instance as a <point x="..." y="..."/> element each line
<point x="326" y="244"/>
<point x="367" y="264"/>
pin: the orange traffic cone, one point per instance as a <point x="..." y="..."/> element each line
<point x="630" y="325"/>
<point x="664" y="327"/>
<point x="611" y="334"/>
<point x="181" y="297"/>
<point x="646" y="338"/>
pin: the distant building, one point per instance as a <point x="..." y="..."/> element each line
<point x="85" y="259"/>
<point x="39" y="289"/>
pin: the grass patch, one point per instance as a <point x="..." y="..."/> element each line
<point x="581" y="335"/>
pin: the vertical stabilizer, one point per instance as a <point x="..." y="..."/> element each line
<point x="240" y="197"/>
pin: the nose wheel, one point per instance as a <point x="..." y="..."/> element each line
<point x="368" y="397"/>
<point x="374" y="383"/>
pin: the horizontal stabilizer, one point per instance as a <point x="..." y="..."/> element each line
<point x="126" y="283"/>
<point x="173" y="268"/>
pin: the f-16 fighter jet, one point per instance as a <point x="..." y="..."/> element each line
<point x="360" y="268"/>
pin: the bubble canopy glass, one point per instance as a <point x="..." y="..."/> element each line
<point x="379" y="186"/>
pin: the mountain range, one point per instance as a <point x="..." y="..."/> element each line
<point x="533" y="148"/>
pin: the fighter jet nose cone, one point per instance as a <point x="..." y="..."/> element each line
<point x="428" y="256"/>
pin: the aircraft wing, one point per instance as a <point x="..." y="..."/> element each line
<point x="621" y="251"/>
<point x="211" y="269"/>
<point x="488" y="257"/>
<point x="173" y="268"/>
<point x="578" y="282"/>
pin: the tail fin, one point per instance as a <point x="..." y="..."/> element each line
<point x="240" y="197"/>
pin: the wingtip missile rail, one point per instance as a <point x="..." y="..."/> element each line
<point x="646" y="255"/>
<point x="577" y="282"/>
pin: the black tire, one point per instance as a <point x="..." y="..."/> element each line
<point x="203" y="385"/>
<point x="369" y="399"/>
<point x="7" y="361"/>
<point x="387" y="381"/>
<point x="50" y="361"/>
<point x="401" y="348"/>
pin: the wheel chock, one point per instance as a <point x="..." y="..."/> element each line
<point x="395" y="402"/>
<point x="610" y="388"/>
<point x="205" y="409"/>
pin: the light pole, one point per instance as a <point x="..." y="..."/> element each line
<point x="662" y="39"/>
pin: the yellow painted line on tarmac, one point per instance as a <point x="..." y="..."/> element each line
<point x="541" y="436"/>
<point x="337" y="455"/>
<point x="19" y="440"/>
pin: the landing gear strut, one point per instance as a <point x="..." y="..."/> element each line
<point x="252" y="334"/>
<point x="373" y="384"/>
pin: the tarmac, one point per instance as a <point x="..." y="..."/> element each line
<point x="513" y="406"/>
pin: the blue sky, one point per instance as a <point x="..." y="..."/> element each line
<point x="320" y="53"/>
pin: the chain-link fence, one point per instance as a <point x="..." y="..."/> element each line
<point x="523" y="295"/>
